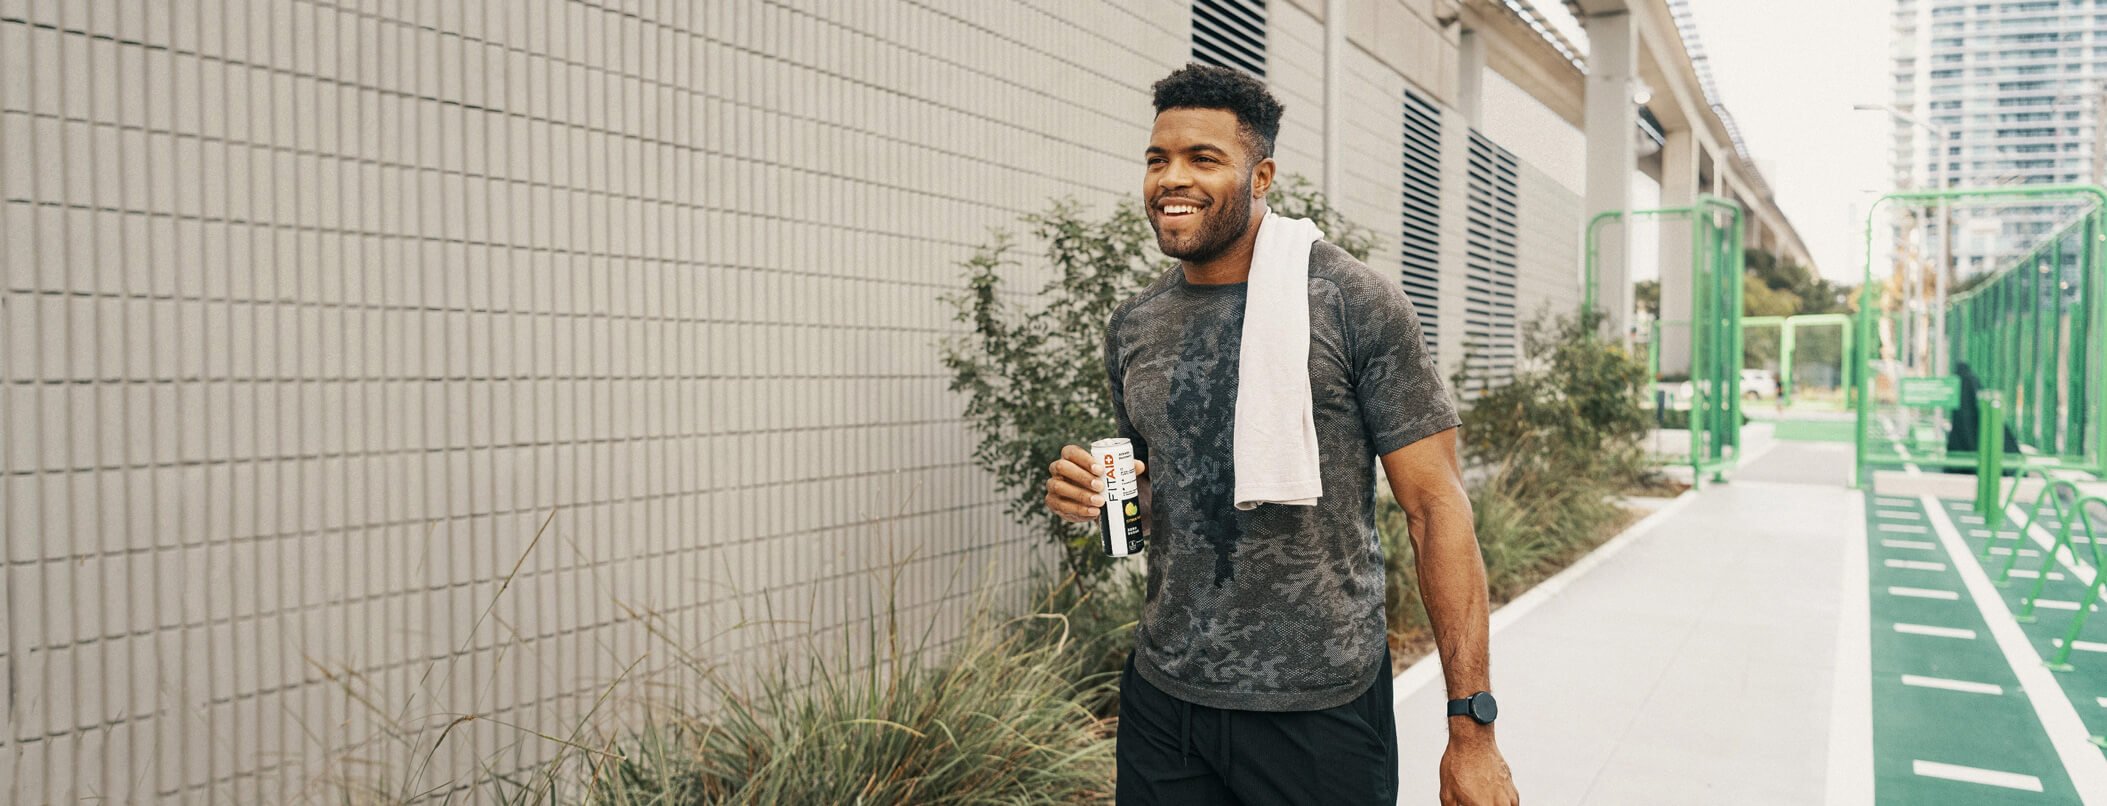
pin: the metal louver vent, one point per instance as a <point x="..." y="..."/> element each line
<point x="1489" y="264"/>
<point x="1230" y="33"/>
<point x="1419" y="239"/>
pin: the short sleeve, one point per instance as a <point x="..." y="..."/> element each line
<point x="1115" y="374"/>
<point x="1401" y="395"/>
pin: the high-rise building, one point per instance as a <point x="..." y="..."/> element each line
<point x="2015" y="85"/>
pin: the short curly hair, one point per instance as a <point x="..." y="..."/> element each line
<point x="1206" y="86"/>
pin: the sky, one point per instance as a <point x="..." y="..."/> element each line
<point x="1790" y="71"/>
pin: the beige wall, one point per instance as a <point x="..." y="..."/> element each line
<point x="314" y="312"/>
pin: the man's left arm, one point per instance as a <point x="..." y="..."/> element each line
<point x="1427" y="479"/>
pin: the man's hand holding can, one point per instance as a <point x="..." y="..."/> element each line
<point x="1103" y="484"/>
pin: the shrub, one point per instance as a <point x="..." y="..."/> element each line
<point x="1549" y="449"/>
<point x="1034" y="374"/>
<point x="1573" y="406"/>
<point x="997" y="721"/>
<point x="1100" y="621"/>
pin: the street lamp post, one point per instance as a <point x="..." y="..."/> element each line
<point x="1941" y="142"/>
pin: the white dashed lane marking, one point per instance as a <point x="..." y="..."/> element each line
<point x="1976" y="775"/>
<point x="1968" y="686"/>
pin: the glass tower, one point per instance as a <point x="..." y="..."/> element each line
<point x="2016" y="86"/>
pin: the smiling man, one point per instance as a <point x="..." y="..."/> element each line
<point x="1261" y="671"/>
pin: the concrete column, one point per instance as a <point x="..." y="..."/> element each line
<point x="1334" y="98"/>
<point x="1470" y="79"/>
<point x="1609" y="119"/>
<point x="1681" y="164"/>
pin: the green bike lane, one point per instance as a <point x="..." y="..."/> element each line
<point x="2024" y="572"/>
<point x="1954" y="718"/>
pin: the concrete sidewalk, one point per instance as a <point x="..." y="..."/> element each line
<point x="1692" y="660"/>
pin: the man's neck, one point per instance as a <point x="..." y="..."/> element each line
<point x="1233" y="265"/>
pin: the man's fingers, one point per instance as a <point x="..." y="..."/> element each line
<point x="1141" y="468"/>
<point x="1080" y="458"/>
<point x="1070" y="509"/>
<point x="1075" y="474"/>
<point x="1071" y="490"/>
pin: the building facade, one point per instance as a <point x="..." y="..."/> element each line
<point x="368" y="364"/>
<point x="2016" y="87"/>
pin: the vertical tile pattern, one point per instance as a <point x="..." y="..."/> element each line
<point x="316" y="314"/>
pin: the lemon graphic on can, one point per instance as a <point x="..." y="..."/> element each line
<point x="1133" y="509"/>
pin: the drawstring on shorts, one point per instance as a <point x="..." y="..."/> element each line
<point x="1185" y="732"/>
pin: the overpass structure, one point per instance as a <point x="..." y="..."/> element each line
<point x="1640" y="89"/>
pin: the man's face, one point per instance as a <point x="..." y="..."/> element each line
<point x="1200" y="183"/>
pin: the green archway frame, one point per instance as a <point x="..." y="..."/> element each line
<point x="1787" y="325"/>
<point x="1716" y="265"/>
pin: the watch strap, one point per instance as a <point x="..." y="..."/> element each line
<point x="1460" y="707"/>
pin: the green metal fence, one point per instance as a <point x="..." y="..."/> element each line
<point x="2029" y="331"/>
<point x="1714" y="326"/>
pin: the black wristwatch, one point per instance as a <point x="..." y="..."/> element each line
<point x="1479" y="706"/>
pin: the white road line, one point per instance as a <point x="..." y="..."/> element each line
<point x="2103" y="701"/>
<point x="2053" y="576"/>
<point x="1972" y="520"/>
<point x="1909" y="544"/>
<point x="2059" y="604"/>
<point x="2082" y="646"/>
<point x="2059" y="719"/>
<point x="2045" y="540"/>
<point x="1968" y="686"/>
<point x="1936" y="632"/>
<point x="2001" y="550"/>
<point x="1900" y="514"/>
<point x="1892" y="501"/>
<point x="1922" y="593"/>
<point x="1904" y="528"/>
<point x="1915" y="565"/>
<point x="1975" y="775"/>
<point x="1909" y="464"/>
<point x="1851" y="716"/>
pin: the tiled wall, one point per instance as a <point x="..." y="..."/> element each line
<point x="322" y="320"/>
<point x="316" y="312"/>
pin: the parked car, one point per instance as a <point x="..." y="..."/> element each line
<point x="1756" y="384"/>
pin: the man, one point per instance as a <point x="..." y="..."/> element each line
<point x="1261" y="672"/>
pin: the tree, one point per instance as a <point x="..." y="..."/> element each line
<point x="1813" y="293"/>
<point x="1034" y="372"/>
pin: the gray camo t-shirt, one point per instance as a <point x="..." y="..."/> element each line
<point x="1279" y="608"/>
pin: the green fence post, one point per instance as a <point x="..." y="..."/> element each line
<point x="1785" y="346"/>
<point x="1736" y="269"/>
<point x="1989" y="459"/>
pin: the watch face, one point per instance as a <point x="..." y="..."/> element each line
<point x="1483" y="708"/>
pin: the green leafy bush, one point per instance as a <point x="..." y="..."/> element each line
<point x="1551" y="449"/>
<point x="1033" y="370"/>
<point x="1574" y="405"/>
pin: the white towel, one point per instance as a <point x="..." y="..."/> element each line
<point x="1276" y="432"/>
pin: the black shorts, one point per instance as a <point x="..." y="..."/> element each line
<point x="1174" y="752"/>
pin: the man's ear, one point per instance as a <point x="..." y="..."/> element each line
<point x="1262" y="178"/>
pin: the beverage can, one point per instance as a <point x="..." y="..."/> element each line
<point x="1119" y="521"/>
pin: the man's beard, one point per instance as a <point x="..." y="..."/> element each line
<point x="1224" y="223"/>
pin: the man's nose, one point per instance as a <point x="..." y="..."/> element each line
<point x="1175" y="175"/>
